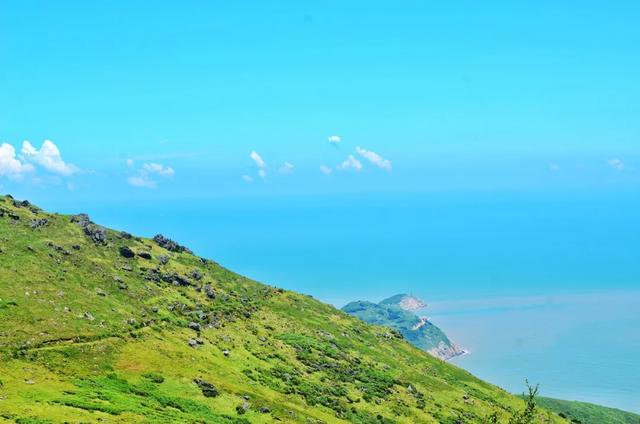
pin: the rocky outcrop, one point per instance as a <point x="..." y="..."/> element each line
<point x="95" y="232"/>
<point x="446" y="352"/>
<point x="169" y="244"/>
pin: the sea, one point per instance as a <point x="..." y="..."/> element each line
<point x="536" y="286"/>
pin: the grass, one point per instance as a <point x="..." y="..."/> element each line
<point x="588" y="413"/>
<point x="89" y="335"/>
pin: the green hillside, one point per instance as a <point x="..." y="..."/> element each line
<point x="97" y="325"/>
<point x="420" y="332"/>
<point x="588" y="413"/>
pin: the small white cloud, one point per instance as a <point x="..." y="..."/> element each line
<point x="262" y="173"/>
<point x="48" y="157"/>
<point x="616" y="164"/>
<point x="141" y="181"/>
<point x="554" y="167"/>
<point x="287" y="168"/>
<point x="129" y="162"/>
<point x="335" y="139"/>
<point x="260" y="163"/>
<point x="10" y="166"/>
<point x="247" y="178"/>
<point x="374" y="158"/>
<point x="156" y="168"/>
<point x="144" y="176"/>
<point x="351" y="163"/>
<point x="325" y="169"/>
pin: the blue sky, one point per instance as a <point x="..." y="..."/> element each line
<point x="492" y="96"/>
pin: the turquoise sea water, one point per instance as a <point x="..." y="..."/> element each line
<point x="536" y="285"/>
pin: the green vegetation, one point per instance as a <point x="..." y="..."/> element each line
<point x="97" y="325"/>
<point x="587" y="413"/>
<point x="419" y="332"/>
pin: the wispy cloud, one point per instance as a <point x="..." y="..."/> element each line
<point x="351" y="163"/>
<point x="260" y="163"/>
<point x="247" y="178"/>
<point x="156" y="168"/>
<point x="141" y="181"/>
<point x="146" y="176"/>
<point x="325" y="169"/>
<point x="287" y="168"/>
<point x="48" y="157"/>
<point x="334" y="139"/>
<point x="616" y="164"/>
<point x="262" y="173"/>
<point x="374" y="158"/>
<point x="554" y="167"/>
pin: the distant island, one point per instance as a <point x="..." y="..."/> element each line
<point x="399" y="312"/>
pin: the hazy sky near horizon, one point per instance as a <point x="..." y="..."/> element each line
<point x="171" y="100"/>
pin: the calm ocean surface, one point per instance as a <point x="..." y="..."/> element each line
<point x="537" y="286"/>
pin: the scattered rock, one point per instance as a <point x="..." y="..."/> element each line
<point x="88" y="316"/>
<point x="96" y="233"/>
<point x="196" y="275"/>
<point x="243" y="408"/>
<point x="265" y="410"/>
<point x="58" y="248"/>
<point x="125" y="235"/>
<point x="169" y="244"/>
<point x="19" y="204"/>
<point x="209" y="291"/>
<point x="208" y="389"/>
<point x="226" y="352"/>
<point x="144" y="254"/>
<point x="81" y="219"/>
<point x="193" y="343"/>
<point x="154" y="309"/>
<point x="76" y="247"/>
<point x="93" y="231"/>
<point x="122" y="285"/>
<point x="163" y="259"/>
<point x="194" y="326"/>
<point x="101" y="292"/>
<point x="37" y="223"/>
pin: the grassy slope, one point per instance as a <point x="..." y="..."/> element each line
<point x="588" y="413"/>
<point x="76" y="347"/>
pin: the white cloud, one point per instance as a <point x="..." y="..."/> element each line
<point x="10" y="166"/>
<point x="156" y="168"/>
<point x="48" y="157"/>
<point x="287" y="168"/>
<point x="325" y="169"/>
<point x="260" y="163"/>
<point x="262" y="173"/>
<point x="141" y="181"/>
<point x="616" y="164"/>
<point x="247" y="178"/>
<point x="374" y="158"/>
<point x="351" y="163"/>
<point x="129" y="162"/>
<point x="335" y="139"/>
<point x="144" y="176"/>
<point x="554" y="167"/>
